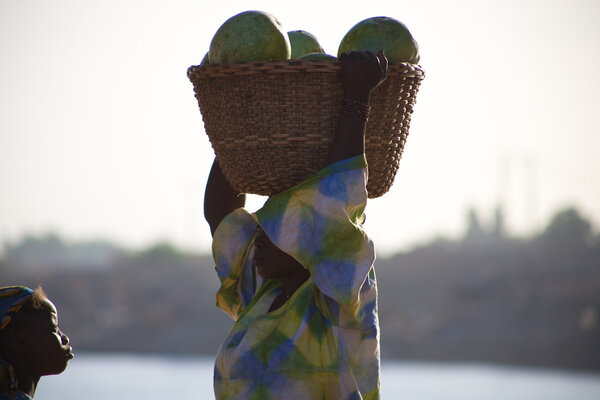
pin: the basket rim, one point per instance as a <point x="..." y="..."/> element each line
<point x="290" y="66"/>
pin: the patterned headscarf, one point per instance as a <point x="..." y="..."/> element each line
<point x="11" y="301"/>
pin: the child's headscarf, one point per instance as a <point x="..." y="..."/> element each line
<point x="11" y="301"/>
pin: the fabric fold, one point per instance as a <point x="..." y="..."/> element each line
<point x="324" y="341"/>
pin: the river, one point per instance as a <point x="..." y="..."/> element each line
<point x="124" y="376"/>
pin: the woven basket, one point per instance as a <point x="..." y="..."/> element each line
<point x="271" y="123"/>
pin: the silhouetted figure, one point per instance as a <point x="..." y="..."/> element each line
<point x="297" y="276"/>
<point x="31" y="345"/>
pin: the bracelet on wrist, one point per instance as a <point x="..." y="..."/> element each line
<point x="355" y="108"/>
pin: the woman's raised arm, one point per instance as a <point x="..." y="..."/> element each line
<point x="361" y="73"/>
<point x="220" y="198"/>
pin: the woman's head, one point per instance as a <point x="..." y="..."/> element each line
<point x="270" y="261"/>
<point x="30" y="340"/>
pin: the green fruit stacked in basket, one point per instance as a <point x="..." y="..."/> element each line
<point x="304" y="43"/>
<point x="382" y="33"/>
<point x="259" y="36"/>
<point x="249" y="36"/>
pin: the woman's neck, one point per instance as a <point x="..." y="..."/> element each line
<point x="26" y="383"/>
<point x="14" y="370"/>
<point x="290" y="284"/>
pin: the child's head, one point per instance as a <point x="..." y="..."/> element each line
<point x="30" y="341"/>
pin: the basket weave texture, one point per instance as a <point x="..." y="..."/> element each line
<point x="271" y="123"/>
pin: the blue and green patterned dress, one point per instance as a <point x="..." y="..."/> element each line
<point x="323" y="343"/>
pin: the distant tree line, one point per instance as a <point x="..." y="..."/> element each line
<point x="486" y="297"/>
<point x="50" y="250"/>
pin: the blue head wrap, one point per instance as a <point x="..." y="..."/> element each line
<point x="11" y="301"/>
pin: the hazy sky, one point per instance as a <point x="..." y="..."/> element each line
<point x="101" y="137"/>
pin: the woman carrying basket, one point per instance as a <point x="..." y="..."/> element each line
<point x="297" y="276"/>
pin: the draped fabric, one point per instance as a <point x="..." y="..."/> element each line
<point x="323" y="343"/>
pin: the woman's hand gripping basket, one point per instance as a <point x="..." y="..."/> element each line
<point x="271" y="123"/>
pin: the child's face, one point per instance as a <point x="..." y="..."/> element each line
<point x="46" y="348"/>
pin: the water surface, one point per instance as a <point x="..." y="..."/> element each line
<point x="123" y="376"/>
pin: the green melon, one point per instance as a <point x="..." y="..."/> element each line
<point x="382" y="33"/>
<point x="205" y="60"/>
<point x="318" y="56"/>
<point x="303" y="42"/>
<point x="249" y="36"/>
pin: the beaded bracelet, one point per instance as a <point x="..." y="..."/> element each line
<point x="355" y="108"/>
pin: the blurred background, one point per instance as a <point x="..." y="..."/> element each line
<point x="488" y="243"/>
